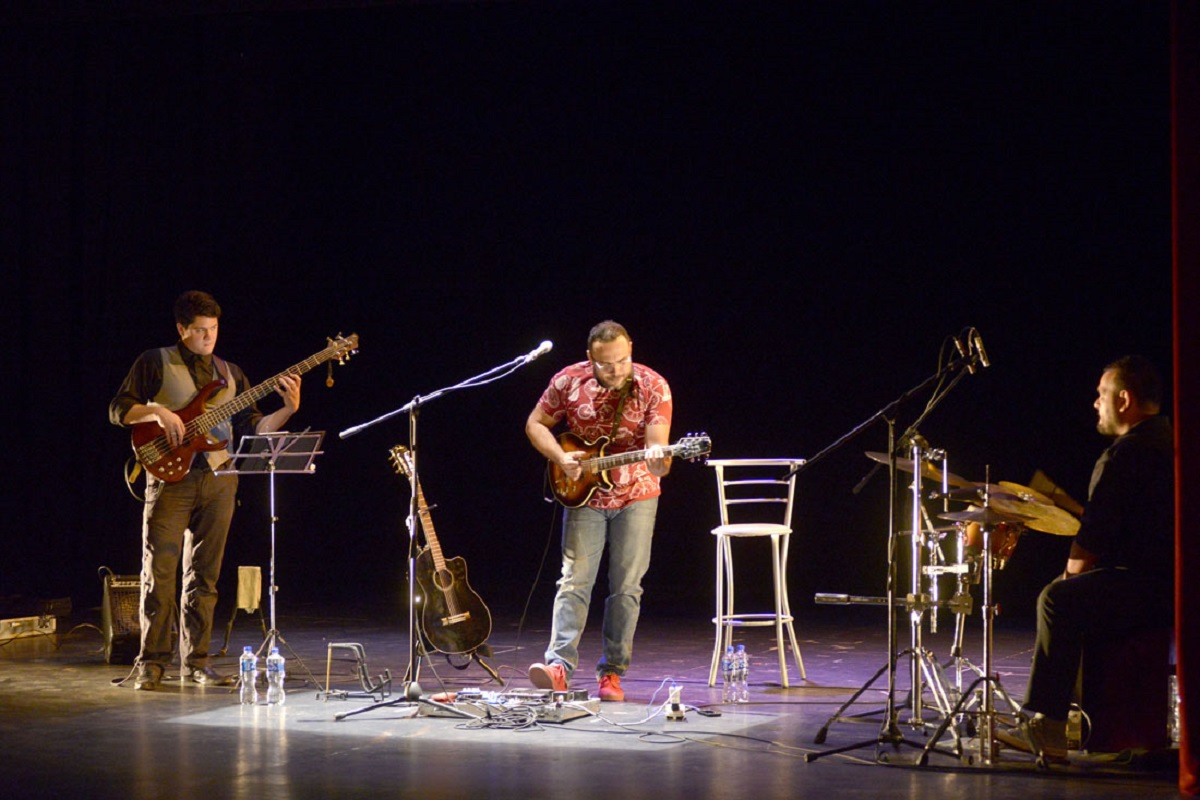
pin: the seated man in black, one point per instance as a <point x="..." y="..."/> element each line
<point x="1121" y="569"/>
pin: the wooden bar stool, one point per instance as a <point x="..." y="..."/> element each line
<point x="762" y="492"/>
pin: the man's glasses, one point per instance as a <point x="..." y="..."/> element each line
<point x="611" y="365"/>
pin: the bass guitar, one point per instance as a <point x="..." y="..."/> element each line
<point x="453" y="616"/>
<point x="172" y="464"/>
<point x="596" y="464"/>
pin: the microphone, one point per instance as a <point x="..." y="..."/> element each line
<point x="977" y="340"/>
<point x="962" y="353"/>
<point x="542" y="349"/>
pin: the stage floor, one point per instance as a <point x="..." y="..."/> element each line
<point x="70" y="729"/>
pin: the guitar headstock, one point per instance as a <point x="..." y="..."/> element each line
<point x="693" y="446"/>
<point x="401" y="459"/>
<point x="342" y="347"/>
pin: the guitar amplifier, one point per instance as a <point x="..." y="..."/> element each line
<point x="120" y="618"/>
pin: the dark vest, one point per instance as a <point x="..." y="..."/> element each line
<point x="178" y="389"/>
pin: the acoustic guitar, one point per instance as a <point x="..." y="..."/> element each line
<point x="596" y="464"/>
<point x="454" y="617"/>
<point x="172" y="464"/>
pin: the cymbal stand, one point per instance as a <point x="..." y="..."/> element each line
<point x="412" y="694"/>
<point x="923" y="665"/>
<point x="988" y="682"/>
<point x="962" y="604"/>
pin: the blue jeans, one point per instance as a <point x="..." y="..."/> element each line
<point x="586" y="531"/>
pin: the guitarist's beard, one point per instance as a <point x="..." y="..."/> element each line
<point x="618" y="385"/>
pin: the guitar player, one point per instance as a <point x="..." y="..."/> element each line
<point x="160" y="380"/>
<point x="606" y="395"/>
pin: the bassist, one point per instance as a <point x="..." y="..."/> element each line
<point x="160" y="380"/>
<point x="607" y="395"/>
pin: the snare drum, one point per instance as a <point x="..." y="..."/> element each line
<point x="1004" y="541"/>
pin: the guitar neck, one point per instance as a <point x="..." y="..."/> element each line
<point x="435" y="548"/>
<point x="623" y="459"/>
<point x="209" y="419"/>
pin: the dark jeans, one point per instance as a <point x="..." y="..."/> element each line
<point x="185" y="525"/>
<point x="1102" y="603"/>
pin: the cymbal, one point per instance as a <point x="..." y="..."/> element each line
<point x="1044" y="517"/>
<point x="928" y="471"/>
<point x="1026" y="493"/>
<point x="986" y="516"/>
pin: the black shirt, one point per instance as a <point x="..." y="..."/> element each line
<point x="146" y="376"/>
<point x="1129" y="521"/>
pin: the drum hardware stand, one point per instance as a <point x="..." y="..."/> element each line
<point x="988" y="682"/>
<point x="889" y="733"/>
<point x="276" y="453"/>
<point x="962" y="611"/>
<point x="412" y="694"/>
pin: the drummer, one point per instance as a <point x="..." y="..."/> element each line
<point x="1119" y="575"/>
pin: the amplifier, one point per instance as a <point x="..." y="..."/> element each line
<point x="120" y="619"/>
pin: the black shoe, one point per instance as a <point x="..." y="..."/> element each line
<point x="1038" y="736"/>
<point x="207" y="676"/>
<point x="149" y="677"/>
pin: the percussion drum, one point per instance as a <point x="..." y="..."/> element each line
<point x="1005" y="536"/>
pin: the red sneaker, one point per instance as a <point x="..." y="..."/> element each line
<point x="549" y="676"/>
<point x="610" y="689"/>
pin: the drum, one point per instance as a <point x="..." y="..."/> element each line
<point x="1004" y="541"/>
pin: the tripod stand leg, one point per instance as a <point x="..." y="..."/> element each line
<point x="486" y="666"/>
<point x="837" y="715"/>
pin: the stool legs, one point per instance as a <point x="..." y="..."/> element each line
<point x="781" y="619"/>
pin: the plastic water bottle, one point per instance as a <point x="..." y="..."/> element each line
<point x="728" y="689"/>
<point x="276" y="673"/>
<point x="247" y="675"/>
<point x="741" y="671"/>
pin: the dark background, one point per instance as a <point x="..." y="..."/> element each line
<point x="789" y="207"/>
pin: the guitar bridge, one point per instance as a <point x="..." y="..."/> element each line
<point x="454" y="619"/>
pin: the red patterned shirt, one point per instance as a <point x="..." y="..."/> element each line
<point x="589" y="409"/>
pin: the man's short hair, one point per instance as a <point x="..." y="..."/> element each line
<point x="1139" y="377"/>
<point x="190" y="305"/>
<point x="606" y="331"/>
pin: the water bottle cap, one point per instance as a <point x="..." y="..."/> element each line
<point x="247" y="649"/>
<point x="274" y="649"/>
<point x="741" y="647"/>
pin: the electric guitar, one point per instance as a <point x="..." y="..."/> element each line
<point x="597" y="463"/>
<point x="453" y="616"/>
<point x="172" y="464"/>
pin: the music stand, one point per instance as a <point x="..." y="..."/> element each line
<point x="272" y="454"/>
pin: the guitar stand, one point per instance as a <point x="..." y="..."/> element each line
<point x="376" y="691"/>
<point x="476" y="657"/>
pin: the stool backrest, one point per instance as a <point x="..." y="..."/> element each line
<point x="756" y="489"/>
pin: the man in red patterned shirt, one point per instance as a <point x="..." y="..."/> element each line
<point x="606" y="395"/>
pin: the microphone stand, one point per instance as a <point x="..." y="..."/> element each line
<point x="889" y="732"/>
<point x="412" y="689"/>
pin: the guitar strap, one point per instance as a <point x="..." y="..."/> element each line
<point x="621" y="409"/>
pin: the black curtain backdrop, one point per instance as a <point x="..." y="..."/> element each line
<point x="789" y="207"/>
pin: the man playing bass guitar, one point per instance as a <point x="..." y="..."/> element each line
<point x="195" y="501"/>
<point x="606" y="396"/>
